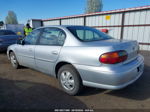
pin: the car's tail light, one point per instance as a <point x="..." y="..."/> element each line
<point x="113" y="57"/>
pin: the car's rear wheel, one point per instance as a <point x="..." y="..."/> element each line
<point x="70" y="80"/>
<point x="13" y="60"/>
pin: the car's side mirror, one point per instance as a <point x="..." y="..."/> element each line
<point x="21" y="41"/>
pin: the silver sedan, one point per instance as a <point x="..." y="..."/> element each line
<point x="79" y="56"/>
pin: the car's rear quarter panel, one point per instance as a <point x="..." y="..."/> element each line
<point x="82" y="55"/>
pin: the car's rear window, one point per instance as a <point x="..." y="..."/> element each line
<point x="87" y="33"/>
<point x="6" y="32"/>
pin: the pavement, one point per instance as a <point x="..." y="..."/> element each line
<point x="28" y="89"/>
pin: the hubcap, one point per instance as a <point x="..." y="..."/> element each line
<point x="13" y="60"/>
<point x="67" y="80"/>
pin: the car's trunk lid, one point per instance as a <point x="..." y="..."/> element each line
<point x="131" y="47"/>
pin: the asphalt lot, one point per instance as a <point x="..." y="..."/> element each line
<point x="28" y="89"/>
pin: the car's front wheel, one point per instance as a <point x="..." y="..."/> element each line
<point x="13" y="60"/>
<point x="70" y="80"/>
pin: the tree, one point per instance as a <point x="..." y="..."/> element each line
<point x="11" y="18"/>
<point x="94" y="6"/>
<point x="1" y="23"/>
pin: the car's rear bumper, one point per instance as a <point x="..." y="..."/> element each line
<point x="112" y="77"/>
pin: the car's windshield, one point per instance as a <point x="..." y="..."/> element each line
<point x="87" y="34"/>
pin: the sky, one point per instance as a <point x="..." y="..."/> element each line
<point x="44" y="9"/>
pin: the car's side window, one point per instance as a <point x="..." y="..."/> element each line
<point x="32" y="37"/>
<point x="61" y="38"/>
<point x="86" y="34"/>
<point x="52" y="37"/>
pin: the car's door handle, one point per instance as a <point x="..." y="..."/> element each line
<point x="55" y="52"/>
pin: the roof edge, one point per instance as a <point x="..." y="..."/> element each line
<point x="98" y="13"/>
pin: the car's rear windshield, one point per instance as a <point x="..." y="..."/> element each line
<point x="87" y="33"/>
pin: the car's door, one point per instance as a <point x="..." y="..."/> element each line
<point x="25" y="51"/>
<point x="47" y="50"/>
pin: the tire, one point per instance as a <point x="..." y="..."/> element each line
<point x="13" y="60"/>
<point x="69" y="80"/>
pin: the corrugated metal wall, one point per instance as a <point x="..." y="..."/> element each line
<point x="130" y="24"/>
<point x="52" y="22"/>
<point x="73" y="21"/>
<point x="136" y="27"/>
<point x="37" y="24"/>
<point x="102" y="22"/>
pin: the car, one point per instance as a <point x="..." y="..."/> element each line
<point x="79" y="56"/>
<point x="7" y="37"/>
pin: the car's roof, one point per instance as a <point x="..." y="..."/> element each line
<point x="60" y="26"/>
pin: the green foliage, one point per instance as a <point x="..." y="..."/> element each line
<point x="11" y="18"/>
<point x="94" y="6"/>
<point x="1" y="23"/>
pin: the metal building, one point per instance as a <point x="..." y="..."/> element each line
<point x="129" y="23"/>
<point x="35" y="23"/>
